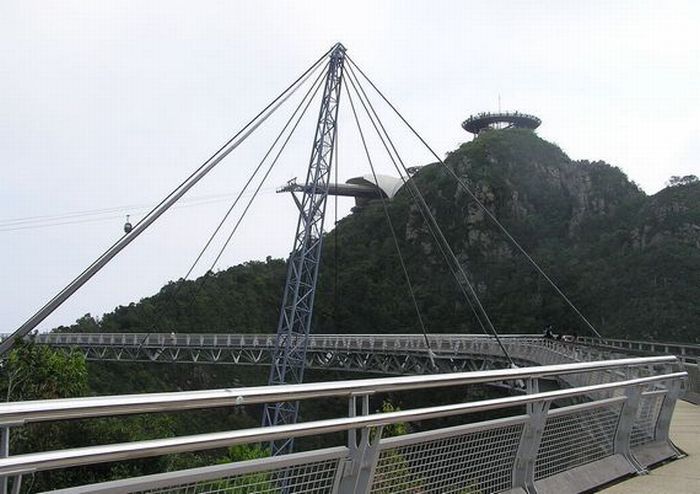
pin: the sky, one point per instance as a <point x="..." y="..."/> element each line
<point x="109" y="105"/>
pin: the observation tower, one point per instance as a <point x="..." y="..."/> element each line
<point x="481" y="122"/>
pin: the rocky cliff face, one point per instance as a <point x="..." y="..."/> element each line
<point x="626" y="259"/>
<point x="673" y="214"/>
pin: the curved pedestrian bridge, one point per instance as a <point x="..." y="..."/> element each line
<point x="609" y="419"/>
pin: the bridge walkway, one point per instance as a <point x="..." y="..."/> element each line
<point x="677" y="477"/>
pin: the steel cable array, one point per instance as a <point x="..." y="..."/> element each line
<point x="392" y="230"/>
<point x="159" y="209"/>
<point x="305" y="102"/>
<point x="453" y="264"/>
<point x="473" y="196"/>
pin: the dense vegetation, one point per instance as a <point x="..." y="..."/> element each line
<point x="630" y="262"/>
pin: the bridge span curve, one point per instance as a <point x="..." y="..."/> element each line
<point x="610" y="418"/>
<point x="367" y="353"/>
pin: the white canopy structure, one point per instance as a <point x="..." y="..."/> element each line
<point x="385" y="183"/>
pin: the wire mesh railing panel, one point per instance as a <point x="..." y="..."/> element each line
<point x="644" y="427"/>
<point x="310" y="478"/>
<point x="573" y="439"/>
<point x="469" y="463"/>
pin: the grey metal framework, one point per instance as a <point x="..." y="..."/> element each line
<point x="687" y="353"/>
<point x="289" y="354"/>
<point x="612" y="429"/>
<point x="486" y="121"/>
<point x="339" y="189"/>
<point x="370" y="353"/>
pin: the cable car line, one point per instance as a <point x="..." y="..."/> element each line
<point x="216" y="198"/>
<point x="194" y="200"/>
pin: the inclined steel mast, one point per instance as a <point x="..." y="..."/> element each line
<point x="288" y="359"/>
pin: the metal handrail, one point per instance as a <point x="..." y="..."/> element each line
<point x="15" y="413"/>
<point x="155" y="482"/>
<point x="26" y="463"/>
<point x="179" y="338"/>
<point x="686" y="352"/>
<point x="637" y="343"/>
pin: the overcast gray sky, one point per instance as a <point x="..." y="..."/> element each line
<point x="109" y="104"/>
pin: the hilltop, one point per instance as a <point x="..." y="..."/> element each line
<point x="631" y="262"/>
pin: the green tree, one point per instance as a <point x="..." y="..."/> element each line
<point x="36" y="372"/>
<point x="676" y="181"/>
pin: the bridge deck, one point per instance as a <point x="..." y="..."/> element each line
<point x="681" y="476"/>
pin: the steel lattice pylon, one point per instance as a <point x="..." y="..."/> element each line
<point x="289" y="355"/>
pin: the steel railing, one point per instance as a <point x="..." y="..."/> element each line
<point x="16" y="413"/>
<point x="688" y="353"/>
<point x="494" y="455"/>
<point x="382" y="354"/>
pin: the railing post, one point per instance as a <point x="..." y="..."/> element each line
<point x="358" y="470"/>
<point x="526" y="457"/>
<point x="532" y="386"/>
<point x="623" y="433"/>
<point x="663" y="423"/>
<point x="4" y="453"/>
<point x="16" y="484"/>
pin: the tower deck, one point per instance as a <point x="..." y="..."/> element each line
<point x="487" y="121"/>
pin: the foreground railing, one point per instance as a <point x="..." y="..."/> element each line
<point x="687" y="353"/>
<point x="588" y="434"/>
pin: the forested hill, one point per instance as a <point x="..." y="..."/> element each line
<point x="630" y="262"/>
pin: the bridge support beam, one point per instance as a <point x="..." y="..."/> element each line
<point x="4" y="453"/>
<point x="663" y="423"/>
<point x="623" y="434"/>
<point x="289" y="356"/>
<point x="524" y="467"/>
<point x="358" y="470"/>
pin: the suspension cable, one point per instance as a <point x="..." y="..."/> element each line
<point x="422" y="208"/>
<point x="267" y="173"/>
<point x="473" y="196"/>
<point x="157" y="211"/>
<point x="252" y="176"/>
<point x="393" y="232"/>
<point x="463" y="278"/>
<point x="313" y="89"/>
<point x="206" y="276"/>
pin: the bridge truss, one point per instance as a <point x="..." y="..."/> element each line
<point x="375" y="354"/>
<point x="289" y="353"/>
